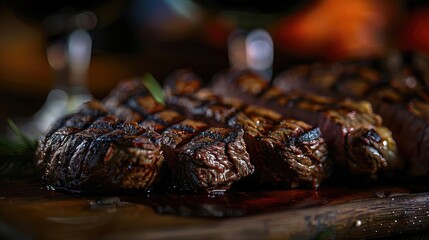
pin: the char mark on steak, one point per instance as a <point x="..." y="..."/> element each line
<point x="198" y="158"/>
<point x="354" y="133"/>
<point x="131" y="101"/>
<point x="93" y="151"/>
<point x="353" y="80"/>
<point x="213" y="160"/>
<point x="284" y="151"/>
<point x="401" y="99"/>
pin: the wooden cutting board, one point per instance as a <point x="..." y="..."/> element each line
<point x="28" y="211"/>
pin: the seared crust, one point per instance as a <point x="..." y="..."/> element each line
<point x="93" y="151"/>
<point x="284" y="151"/>
<point x="190" y="170"/>
<point x="345" y="125"/>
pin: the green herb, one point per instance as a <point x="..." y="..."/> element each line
<point x="17" y="155"/>
<point x="154" y="88"/>
<point x="20" y="134"/>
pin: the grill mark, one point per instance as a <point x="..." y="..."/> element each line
<point x="307" y="136"/>
<point x="231" y="136"/>
<point x="57" y="125"/>
<point x="188" y="129"/>
<point x="184" y="128"/>
<point x="219" y="102"/>
<point x="72" y="137"/>
<point x="329" y="106"/>
<point x="199" y="145"/>
<point x="133" y="105"/>
<point x="159" y="120"/>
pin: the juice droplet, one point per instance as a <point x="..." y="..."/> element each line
<point x="358" y="223"/>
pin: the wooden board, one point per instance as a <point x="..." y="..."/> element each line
<point x="28" y="210"/>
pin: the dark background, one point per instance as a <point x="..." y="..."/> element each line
<point x="137" y="36"/>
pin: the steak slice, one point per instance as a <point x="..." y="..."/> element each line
<point x="352" y="80"/>
<point x="284" y="151"/>
<point x="354" y="133"/>
<point x="199" y="157"/>
<point x="212" y="160"/>
<point x="93" y="151"/>
<point x="401" y="99"/>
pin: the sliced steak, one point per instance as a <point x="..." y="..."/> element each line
<point x="93" y="151"/>
<point x="401" y="99"/>
<point x="284" y="151"/>
<point x="199" y="157"/>
<point x="212" y="160"/>
<point x="354" y="133"/>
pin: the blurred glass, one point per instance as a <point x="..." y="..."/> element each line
<point x="250" y="44"/>
<point x="68" y="51"/>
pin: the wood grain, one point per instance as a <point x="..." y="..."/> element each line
<point x="27" y="211"/>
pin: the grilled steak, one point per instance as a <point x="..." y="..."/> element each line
<point x="355" y="135"/>
<point x="200" y="157"/>
<point x="93" y="151"/>
<point x="286" y="152"/>
<point x="401" y="99"/>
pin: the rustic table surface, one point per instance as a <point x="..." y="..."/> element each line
<point x="30" y="211"/>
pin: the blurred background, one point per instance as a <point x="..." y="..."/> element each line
<point x="132" y="37"/>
